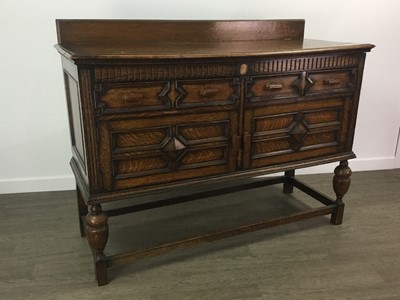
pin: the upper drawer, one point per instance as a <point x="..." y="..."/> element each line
<point x="291" y="85"/>
<point x="132" y="96"/>
<point x="162" y="95"/>
<point x="330" y="82"/>
<point x="212" y="92"/>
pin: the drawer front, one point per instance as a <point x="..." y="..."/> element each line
<point x="292" y="85"/>
<point x="162" y="95"/>
<point x="328" y="82"/>
<point x="207" y="92"/>
<point x="271" y="87"/>
<point x="153" y="151"/>
<point x="132" y="96"/>
<point x="297" y="131"/>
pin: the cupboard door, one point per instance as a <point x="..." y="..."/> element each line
<point x="151" y="151"/>
<point x="303" y="130"/>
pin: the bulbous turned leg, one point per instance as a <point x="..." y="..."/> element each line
<point x="341" y="184"/>
<point x="97" y="236"/>
<point x="287" y="186"/>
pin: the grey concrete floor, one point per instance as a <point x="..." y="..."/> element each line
<point x="43" y="256"/>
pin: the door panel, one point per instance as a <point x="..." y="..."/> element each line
<point x="289" y="132"/>
<point x="152" y="151"/>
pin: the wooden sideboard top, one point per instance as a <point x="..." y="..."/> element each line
<point x="160" y="39"/>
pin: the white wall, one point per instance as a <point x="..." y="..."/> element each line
<point x="34" y="149"/>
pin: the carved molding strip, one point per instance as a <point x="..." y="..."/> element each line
<point x="303" y="64"/>
<point x="162" y="72"/>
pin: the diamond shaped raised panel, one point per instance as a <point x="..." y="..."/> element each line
<point x="174" y="147"/>
<point x="298" y="131"/>
<point x="303" y="83"/>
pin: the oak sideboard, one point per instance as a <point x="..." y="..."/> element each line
<point x="161" y="105"/>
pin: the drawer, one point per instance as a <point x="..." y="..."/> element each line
<point x="212" y="92"/>
<point x="150" y="96"/>
<point x="275" y="87"/>
<point x="132" y="96"/>
<point x="271" y="87"/>
<point x="328" y="82"/>
<point x="296" y="131"/>
<point x="151" y="151"/>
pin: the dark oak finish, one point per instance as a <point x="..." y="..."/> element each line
<point x="287" y="183"/>
<point x="341" y="184"/>
<point x="82" y="211"/>
<point x="127" y="31"/>
<point x="97" y="236"/>
<point x="156" y="106"/>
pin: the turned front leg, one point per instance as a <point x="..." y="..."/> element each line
<point x="341" y="184"/>
<point x="97" y="236"/>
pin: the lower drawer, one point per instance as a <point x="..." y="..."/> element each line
<point x="150" y="151"/>
<point x="286" y="133"/>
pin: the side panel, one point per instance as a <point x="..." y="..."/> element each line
<point x="75" y="117"/>
<point x="78" y="85"/>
